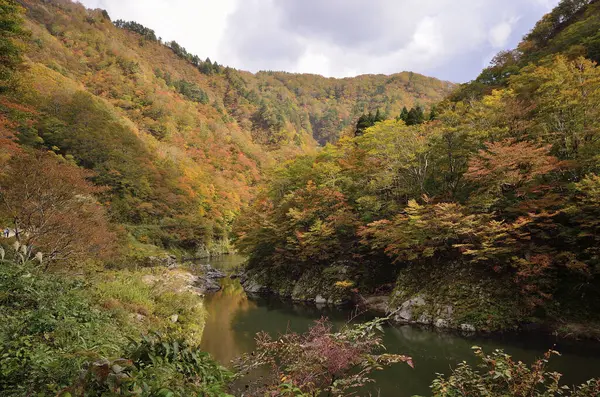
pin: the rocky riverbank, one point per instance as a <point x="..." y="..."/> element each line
<point x="452" y="301"/>
<point x="321" y="288"/>
<point x="204" y="278"/>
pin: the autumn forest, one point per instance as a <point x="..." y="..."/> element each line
<point x="120" y="150"/>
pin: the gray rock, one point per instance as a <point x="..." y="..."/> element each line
<point x="298" y="292"/>
<point x="253" y="287"/>
<point x="440" y="323"/>
<point x="243" y="278"/>
<point x="377" y="304"/>
<point x="468" y="328"/>
<point x="139" y="317"/>
<point x="174" y="318"/>
<point x="446" y="311"/>
<point x="405" y="313"/>
<point x="168" y="261"/>
<point x="205" y="285"/>
<point x="425" y="319"/>
<point x="320" y="300"/>
<point x="211" y="272"/>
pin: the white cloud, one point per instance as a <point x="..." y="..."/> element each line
<point x="500" y="33"/>
<point x="445" y="38"/>
<point x="198" y="25"/>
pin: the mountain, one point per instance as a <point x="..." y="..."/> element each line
<point x="181" y="143"/>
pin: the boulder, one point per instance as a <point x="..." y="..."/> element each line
<point x="319" y="300"/>
<point x="425" y="319"/>
<point x="168" y="261"/>
<point x="446" y="311"/>
<point x="441" y="323"/>
<point x="405" y="312"/>
<point x="378" y="304"/>
<point x="210" y="272"/>
<point x="253" y="287"/>
<point x="468" y="328"/>
<point x="205" y="284"/>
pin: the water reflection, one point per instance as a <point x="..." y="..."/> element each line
<point x="221" y="334"/>
<point x="234" y="319"/>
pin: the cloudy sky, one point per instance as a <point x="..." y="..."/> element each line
<point x="448" y="39"/>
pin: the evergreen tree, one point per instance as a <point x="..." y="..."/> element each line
<point x="415" y="116"/>
<point x="403" y="115"/>
<point x="368" y="120"/>
<point x="433" y="113"/>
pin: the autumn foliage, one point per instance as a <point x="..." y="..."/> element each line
<point x="53" y="208"/>
<point x="504" y="188"/>
<point x="322" y="360"/>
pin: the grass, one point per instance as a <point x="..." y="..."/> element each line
<point x="157" y="298"/>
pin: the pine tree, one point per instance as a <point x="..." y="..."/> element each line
<point x="403" y="115"/>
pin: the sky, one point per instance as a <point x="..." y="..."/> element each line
<point x="448" y="39"/>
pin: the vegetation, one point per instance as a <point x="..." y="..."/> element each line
<point x="500" y="375"/>
<point x="571" y="28"/>
<point x="52" y="208"/>
<point x="319" y="361"/>
<point x="116" y="146"/>
<point x="10" y="47"/>
<point x="495" y="188"/>
<point x="67" y="335"/>
<point x="177" y="144"/>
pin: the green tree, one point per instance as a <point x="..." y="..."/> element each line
<point x="403" y="115"/>
<point x="11" y="31"/>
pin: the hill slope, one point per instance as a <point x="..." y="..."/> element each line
<point x="181" y="143"/>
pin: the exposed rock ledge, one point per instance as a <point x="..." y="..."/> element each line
<point x="306" y="289"/>
<point x="183" y="280"/>
<point x="417" y="311"/>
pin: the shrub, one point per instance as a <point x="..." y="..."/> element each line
<point x="501" y="376"/>
<point x="319" y="361"/>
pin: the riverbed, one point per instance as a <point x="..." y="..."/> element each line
<point x="234" y="319"/>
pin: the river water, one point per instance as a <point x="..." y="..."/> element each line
<point x="234" y="319"/>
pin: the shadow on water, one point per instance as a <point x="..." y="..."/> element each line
<point x="234" y="319"/>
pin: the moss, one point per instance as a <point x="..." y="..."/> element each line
<point x="487" y="303"/>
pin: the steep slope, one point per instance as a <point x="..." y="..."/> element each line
<point x="326" y="107"/>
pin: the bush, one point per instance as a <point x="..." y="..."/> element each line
<point x="60" y="335"/>
<point x="157" y="367"/>
<point x="319" y="361"/>
<point x="49" y="328"/>
<point x="501" y="376"/>
<point x="157" y="298"/>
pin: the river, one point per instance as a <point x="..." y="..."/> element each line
<point x="234" y="319"/>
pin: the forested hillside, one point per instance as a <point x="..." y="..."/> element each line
<point x="178" y="143"/>
<point x="478" y="211"/>
<point x="485" y="217"/>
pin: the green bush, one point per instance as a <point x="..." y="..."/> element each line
<point x="501" y="376"/>
<point x="66" y="335"/>
<point x="156" y="367"/>
<point x="49" y="328"/>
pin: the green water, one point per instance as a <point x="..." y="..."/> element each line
<point x="234" y="319"/>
